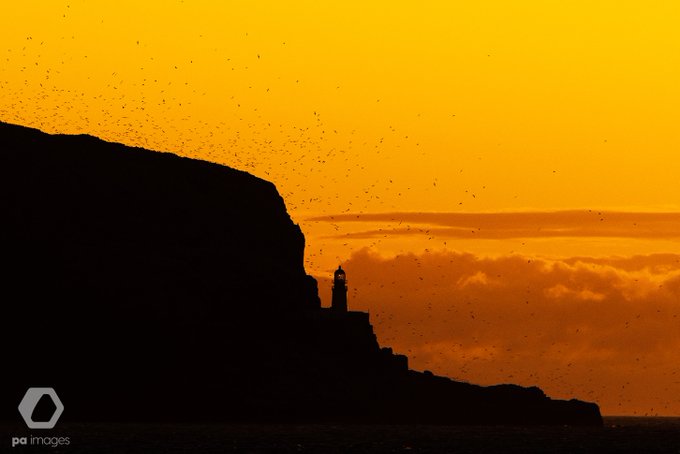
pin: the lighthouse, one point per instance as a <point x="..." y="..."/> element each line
<point x="339" y="301"/>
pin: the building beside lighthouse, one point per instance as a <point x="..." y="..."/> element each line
<point x="348" y="331"/>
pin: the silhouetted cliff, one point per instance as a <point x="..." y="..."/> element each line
<point x="145" y="286"/>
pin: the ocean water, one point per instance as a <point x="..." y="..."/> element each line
<point x="619" y="435"/>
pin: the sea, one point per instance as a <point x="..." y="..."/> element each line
<point x="618" y="435"/>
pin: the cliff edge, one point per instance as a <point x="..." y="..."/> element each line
<point x="144" y="286"/>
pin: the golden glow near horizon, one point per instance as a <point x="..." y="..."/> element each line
<point x="387" y="107"/>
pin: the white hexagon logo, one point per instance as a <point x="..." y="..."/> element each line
<point x="30" y="401"/>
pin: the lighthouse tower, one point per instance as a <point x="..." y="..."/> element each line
<point x="339" y="301"/>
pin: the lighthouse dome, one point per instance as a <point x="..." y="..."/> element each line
<point x="339" y="274"/>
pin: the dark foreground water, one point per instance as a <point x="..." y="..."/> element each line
<point x="620" y="434"/>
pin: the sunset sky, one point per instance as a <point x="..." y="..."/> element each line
<point x="499" y="179"/>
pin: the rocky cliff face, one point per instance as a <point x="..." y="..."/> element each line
<point x="145" y="286"/>
<point x="145" y="234"/>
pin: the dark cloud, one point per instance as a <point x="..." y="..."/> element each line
<point x="582" y="223"/>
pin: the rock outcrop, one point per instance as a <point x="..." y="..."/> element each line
<point x="146" y="286"/>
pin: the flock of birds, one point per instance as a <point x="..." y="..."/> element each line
<point x="154" y="102"/>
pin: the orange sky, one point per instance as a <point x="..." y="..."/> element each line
<point x="487" y="107"/>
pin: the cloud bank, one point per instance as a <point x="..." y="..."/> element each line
<point x="604" y="330"/>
